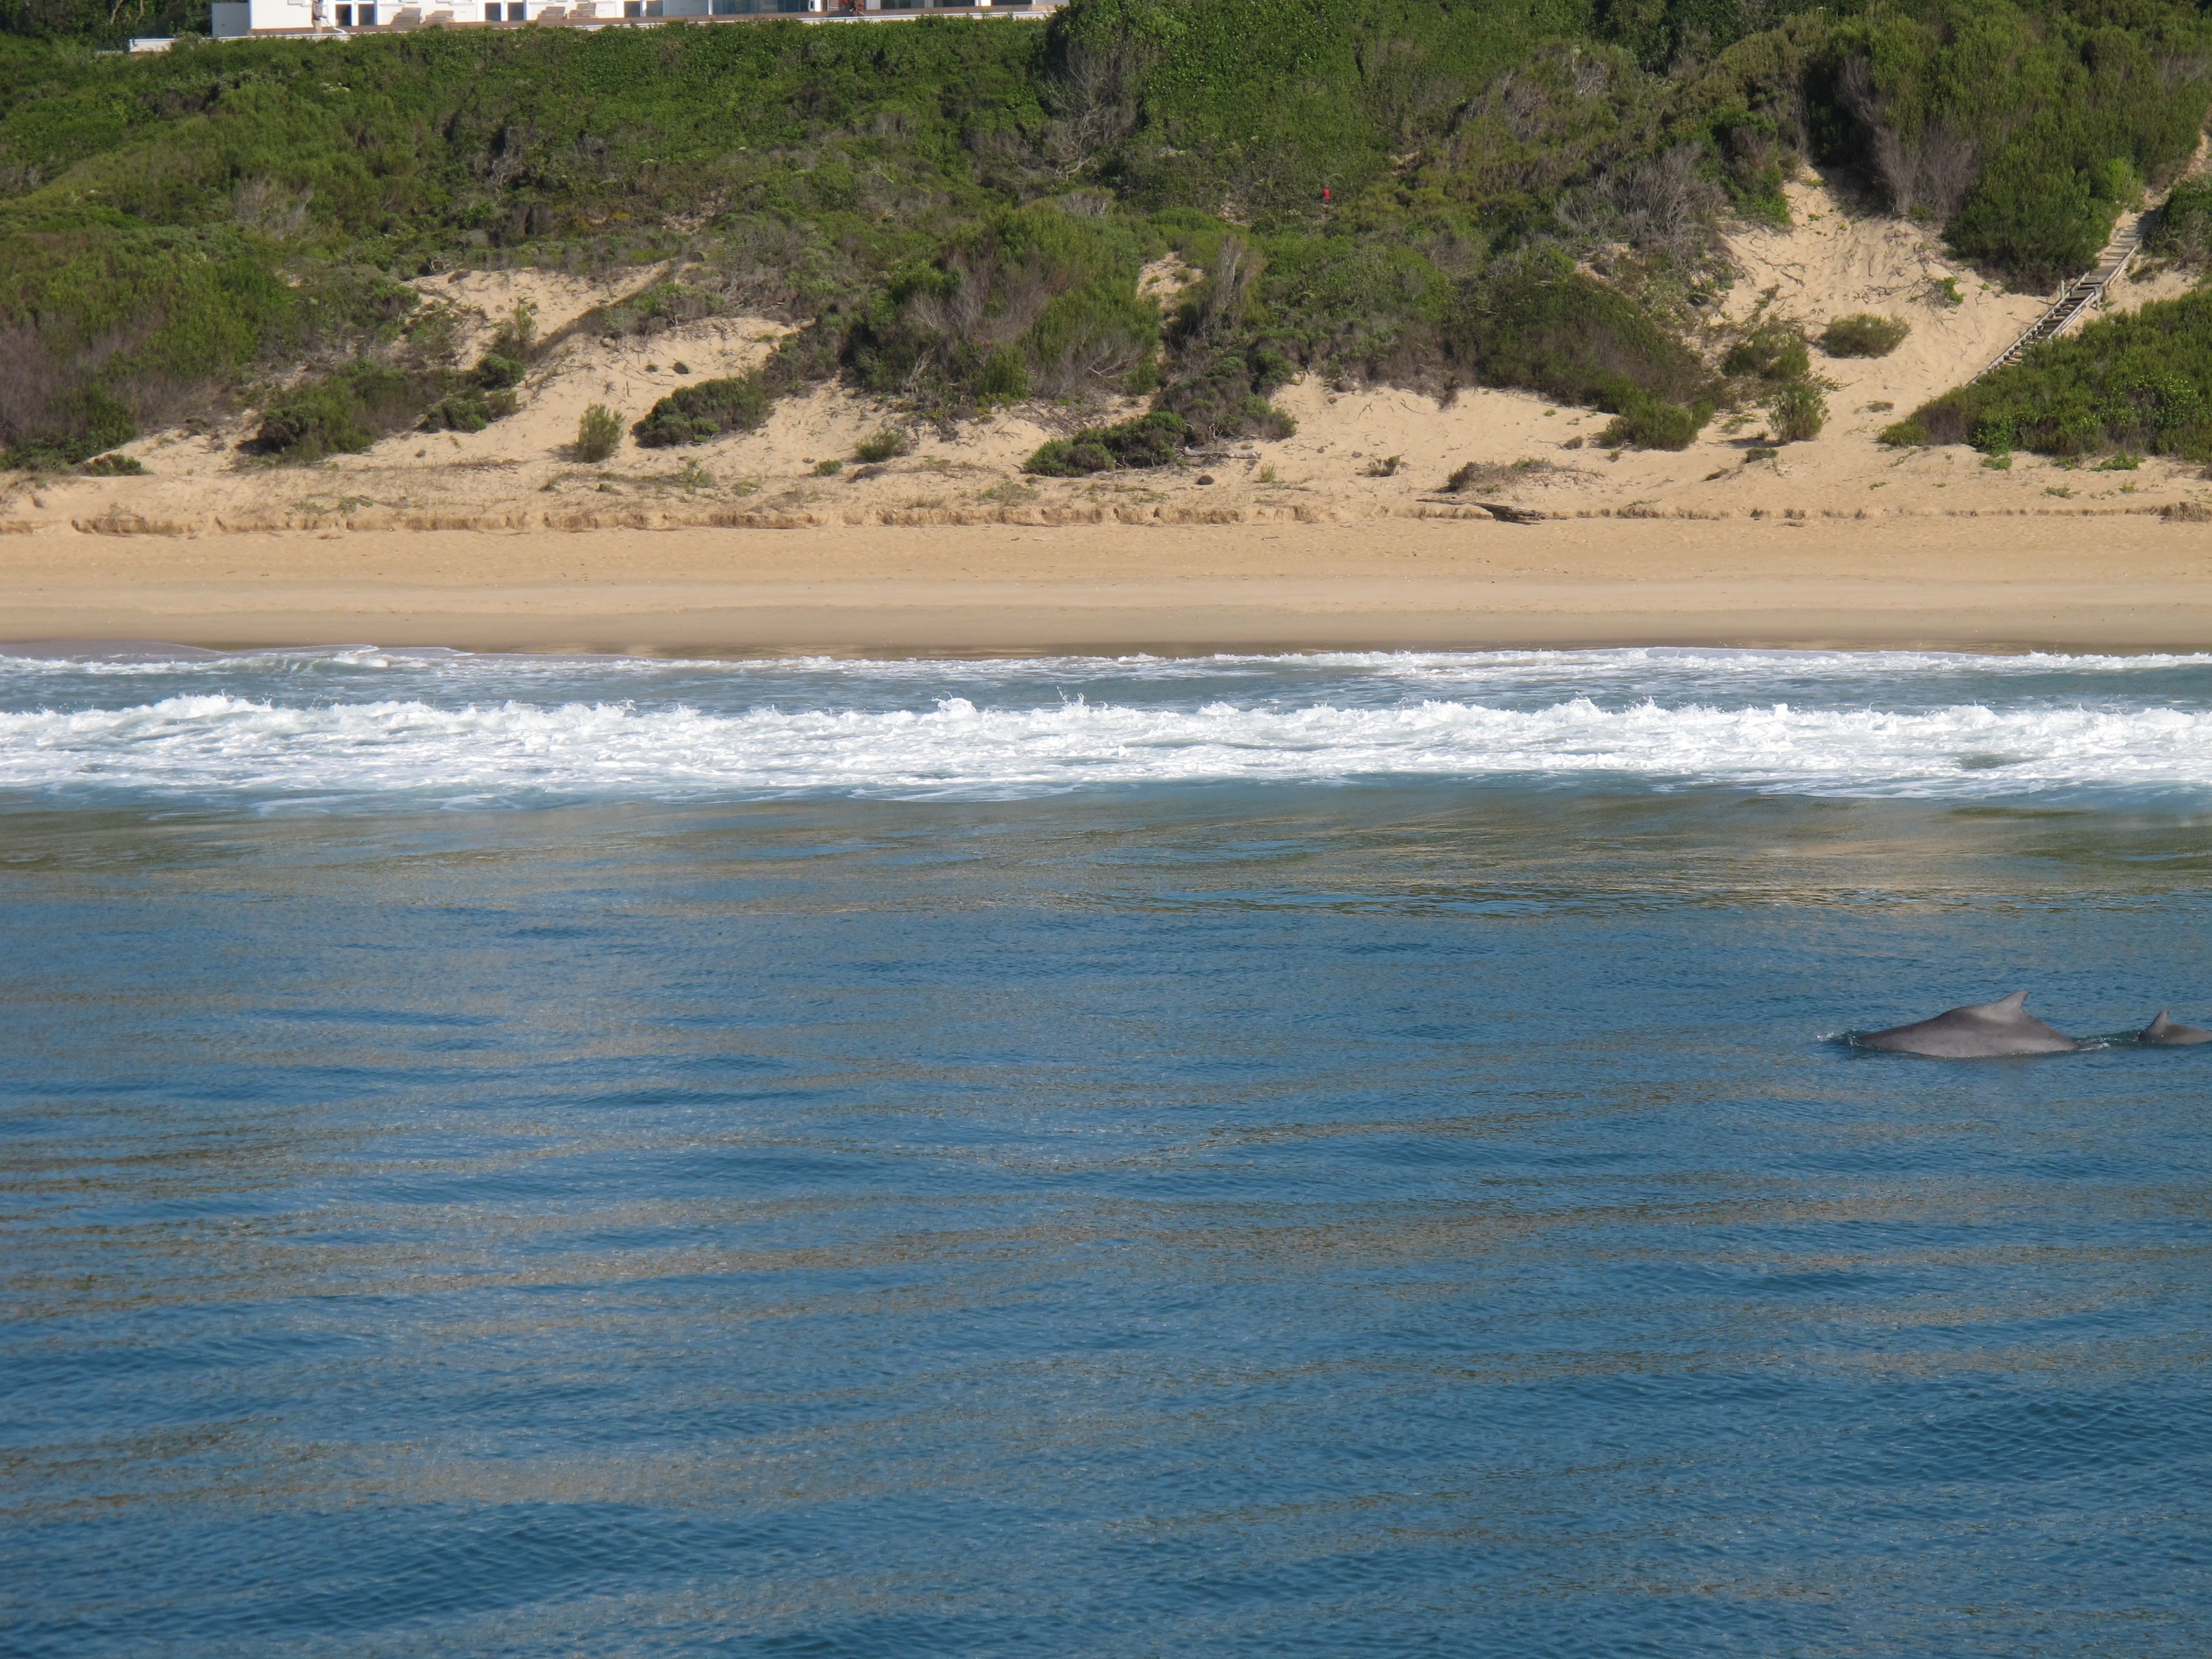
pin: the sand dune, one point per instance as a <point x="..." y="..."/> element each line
<point x="1359" y="455"/>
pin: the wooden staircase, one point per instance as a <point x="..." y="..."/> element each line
<point x="2072" y="308"/>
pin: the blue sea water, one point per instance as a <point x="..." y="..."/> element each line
<point x="1317" y="1155"/>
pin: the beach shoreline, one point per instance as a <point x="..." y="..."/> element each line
<point x="1963" y="585"/>
<point x="2111" y="584"/>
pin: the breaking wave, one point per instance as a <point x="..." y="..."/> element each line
<point x="510" y="751"/>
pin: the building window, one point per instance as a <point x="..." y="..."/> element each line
<point x="633" y="8"/>
<point x="491" y="13"/>
<point x="367" y="17"/>
<point x="515" y="12"/>
<point x="345" y="17"/>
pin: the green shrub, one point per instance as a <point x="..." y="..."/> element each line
<point x="1797" y="413"/>
<point x="656" y="309"/>
<point x="884" y="446"/>
<point x="72" y="428"/>
<point x="697" y="413"/>
<point x="1493" y="475"/>
<point x="469" y="408"/>
<point x="2182" y="229"/>
<point x="1037" y="301"/>
<point x="2139" y="382"/>
<point x="112" y="466"/>
<point x="1150" y="440"/>
<point x="496" y="373"/>
<point x="342" y="413"/>
<point x="1774" y="352"/>
<point x="599" y="434"/>
<point x="829" y="469"/>
<point x="1225" y="394"/>
<point x="2023" y="129"/>
<point x="1864" y="335"/>
<point x="2035" y="221"/>
<point x="1647" y="423"/>
<point x="516" y="335"/>
<point x="1543" y="326"/>
<point x="485" y="394"/>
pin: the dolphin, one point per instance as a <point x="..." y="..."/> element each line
<point x="1981" y="1032"/>
<point x="2163" y="1033"/>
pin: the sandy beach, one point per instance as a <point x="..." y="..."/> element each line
<point x="1342" y="535"/>
<point x="2132" y="582"/>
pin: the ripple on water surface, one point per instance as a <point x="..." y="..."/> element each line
<point x="1251" y="1210"/>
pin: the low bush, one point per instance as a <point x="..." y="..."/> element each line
<point x="2182" y="229"/>
<point x="1036" y="301"/>
<point x="2138" y="381"/>
<point x="1648" y="423"/>
<point x="884" y="446"/>
<point x="665" y="306"/>
<point x="1797" y="413"/>
<point x="343" y="413"/>
<point x="1546" y="327"/>
<point x="1482" y="475"/>
<point x="471" y="409"/>
<point x="77" y="426"/>
<point x="1774" y="352"/>
<point x="486" y="393"/>
<point x="1864" y="335"/>
<point x="1224" y="395"/>
<point x="599" y="434"/>
<point x="346" y="411"/>
<point x="1150" y="440"/>
<point x="697" y="413"/>
<point x="112" y="466"/>
<point x="2037" y="221"/>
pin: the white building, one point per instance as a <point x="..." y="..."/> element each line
<point x="237" y="19"/>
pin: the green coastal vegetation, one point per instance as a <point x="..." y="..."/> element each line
<point x="954" y="216"/>
<point x="2138" y="383"/>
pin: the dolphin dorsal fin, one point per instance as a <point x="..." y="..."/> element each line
<point x="2158" y="1023"/>
<point x="2014" y="1003"/>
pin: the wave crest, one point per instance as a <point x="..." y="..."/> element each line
<point x="226" y="745"/>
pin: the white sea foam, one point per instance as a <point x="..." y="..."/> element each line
<point x="195" y="745"/>
<point x="1672" y="662"/>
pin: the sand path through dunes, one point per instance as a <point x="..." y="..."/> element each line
<point x="2122" y="583"/>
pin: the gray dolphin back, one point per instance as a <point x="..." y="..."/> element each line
<point x="2163" y="1033"/>
<point x="1985" y="1030"/>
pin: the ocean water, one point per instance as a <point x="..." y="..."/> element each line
<point x="1317" y="1155"/>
